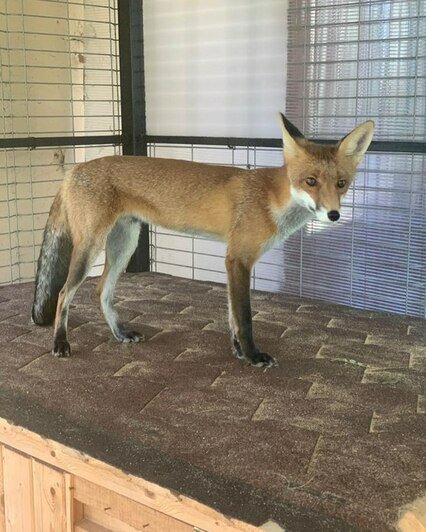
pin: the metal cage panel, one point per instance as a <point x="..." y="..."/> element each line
<point x="60" y="79"/>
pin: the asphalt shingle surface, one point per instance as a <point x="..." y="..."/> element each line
<point x="332" y="439"/>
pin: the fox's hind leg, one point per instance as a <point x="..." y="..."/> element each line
<point x="83" y="257"/>
<point x="121" y="243"/>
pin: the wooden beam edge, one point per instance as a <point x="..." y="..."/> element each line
<point x="413" y="516"/>
<point x="135" y="488"/>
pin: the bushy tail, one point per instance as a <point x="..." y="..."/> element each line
<point x="53" y="264"/>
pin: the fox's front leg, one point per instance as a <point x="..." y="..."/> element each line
<point x="240" y="314"/>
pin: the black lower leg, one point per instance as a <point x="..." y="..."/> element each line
<point x="77" y="273"/>
<point x="242" y="336"/>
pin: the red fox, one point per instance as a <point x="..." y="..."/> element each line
<point x="102" y="203"/>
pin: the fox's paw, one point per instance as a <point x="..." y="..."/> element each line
<point x="262" y="360"/>
<point x="61" y="349"/>
<point x="128" y="337"/>
<point x="256" y="358"/>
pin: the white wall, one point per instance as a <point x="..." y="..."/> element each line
<point x="215" y="67"/>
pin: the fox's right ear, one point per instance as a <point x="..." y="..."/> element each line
<point x="291" y="137"/>
<point x="356" y="143"/>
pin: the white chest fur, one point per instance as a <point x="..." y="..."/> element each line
<point x="288" y="222"/>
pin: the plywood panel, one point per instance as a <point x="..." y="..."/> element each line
<point x="413" y="519"/>
<point x="49" y="498"/>
<point x="111" y="523"/>
<point x="88" y="526"/>
<point x="18" y="495"/>
<point x="2" y="517"/>
<point x="74" y="509"/>
<point x="136" y="515"/>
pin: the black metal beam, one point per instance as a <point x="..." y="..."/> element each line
<point x="376" y="146"/>
<point x="143" y="140"/>
<point x="37" y="142"/>
<point x="215" y="141"/>
<point x="132" y="86"/>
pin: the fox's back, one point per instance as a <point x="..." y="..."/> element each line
<point x="169" y="192"/>
<point x="132" y="174"/>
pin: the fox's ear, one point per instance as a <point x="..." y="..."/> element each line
<point x="291" y="136"/>
<point x="356" y="143"/>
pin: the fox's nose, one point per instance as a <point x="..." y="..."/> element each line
<point x="333" y="215"/>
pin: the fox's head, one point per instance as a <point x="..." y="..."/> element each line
<point x="321" y="174"/>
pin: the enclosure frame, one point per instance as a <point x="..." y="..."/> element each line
<point x="134" y="138"/>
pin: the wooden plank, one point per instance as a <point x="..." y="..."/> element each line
<point x="101" y="518"/>
<point x="409" y="522"/>
<point x="49" y="498"/>
<point x="79" y="464"/>
<point x="18" y="492"/>
<point x="88" y="526"/>
<point x="73" y="508"/>
<point x="2" y="516"/>
<point x="69" y="502"/>
<point x="125" y="510"/>
<point x="414" y="517"/>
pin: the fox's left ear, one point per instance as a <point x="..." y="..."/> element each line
<point x="291" y="137"/>
<point x="356" y="143"/>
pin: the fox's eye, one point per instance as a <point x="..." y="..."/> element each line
<point x="311" y="181"/>
<point x="341" y="183"/>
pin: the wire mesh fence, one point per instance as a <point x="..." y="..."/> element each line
<point x="59" y="77"/>
<point x="60" y="73"/>
<point x="31" y="180"/>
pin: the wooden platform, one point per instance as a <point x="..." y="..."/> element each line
<point x="46" y="486"/>
<point x="175" y="429"/>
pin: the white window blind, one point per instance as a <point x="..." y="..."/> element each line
<point x="215" y="68"/>
<point x="355" y="60"/>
